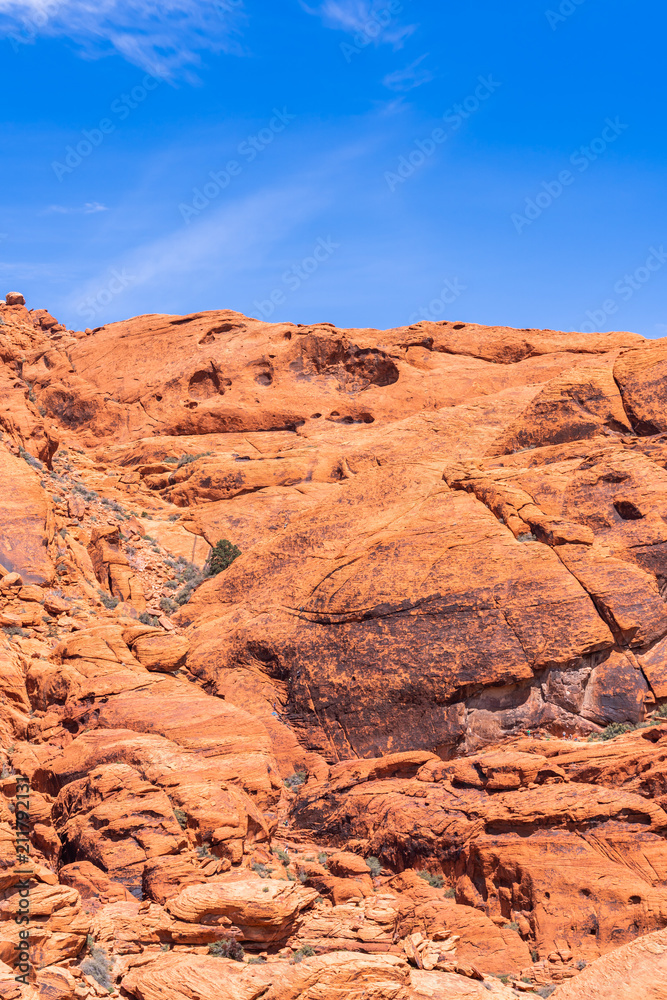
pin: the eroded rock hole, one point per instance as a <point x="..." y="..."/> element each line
<point x="204" y="384"/>
<point x="627" y="510"/>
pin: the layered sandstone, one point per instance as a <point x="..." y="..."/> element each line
<point x="361" y="752"/>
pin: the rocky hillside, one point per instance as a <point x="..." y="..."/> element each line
<point x="410" y="740"/>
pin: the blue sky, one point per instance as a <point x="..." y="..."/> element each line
<point x="360" y="162"/>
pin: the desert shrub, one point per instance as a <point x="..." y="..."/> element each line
<point x="512" y="926"/>
<point x="283" y="856"/>
<point x="534" y="954"/>
<point x="181" y="817"/>
<point x="615" y="729"/>
<point x="108" y="600"/>
<point x="305" y="951"/>
<point x="450" y="893"/>
<point x="545" y="991"/>
<point x="221" y="556"/>
<point x="189" y="572"/>
<point x="374" y="866"/>
<point x="436" y="881"/>
<point x="147" y="619"/>
<point x="14" y="630"/>
<point x="170" y="460"/>
<point x="260" y="869"/>
<point x="30" y="459"/>
<point x="185" y="593"/>
<point x="296" y="780"/>
<point x="527" y="536"/>
<point x="98" y="965"/>
<point x="323" y="859"/>
<point x="204" y="850"/>
<point x="187" y="459"/>
<point x="167" y="605"/>
<point x="112" y="505"/>
<point x="171" y="584"/>
<point x="229" y="948"/>
<point x="256" y="960"/>
<point x="86" y="494"/>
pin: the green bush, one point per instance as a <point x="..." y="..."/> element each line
<point x="221" y="556"/>
<point x="615" y="729"/>
<point x="187" y="459"/>
<point x="374" y="866"/>
<point x="305" y="951"/>
<point x="181" y="817"/>
<point x="168" y="605"/>
<point x="323" y="859"/>
<point x="283" y="856"/>
<point x="108" y="600"/>
<point x="14" y="630"/>
<point x="436" y="881"/>
<point x="229" y="948"/>
<point x="147" y="619"/>
<point x="296" y="780"/>
<point x="30" y="459"/>
<point x="260" y="869"/>
<point x="98" y="965"/>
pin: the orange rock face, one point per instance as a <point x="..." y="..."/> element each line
<point x="410" y="742"/>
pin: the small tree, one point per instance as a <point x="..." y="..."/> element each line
<point x="221" y="556"/>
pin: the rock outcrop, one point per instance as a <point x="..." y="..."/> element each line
<point x="410" y="742"/>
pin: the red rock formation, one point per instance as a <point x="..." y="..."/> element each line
<point x="357" y="752"/>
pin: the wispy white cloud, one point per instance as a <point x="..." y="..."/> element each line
<point x="409" y="77"/>
<point x="166" y="37"/>
<point x="90" y="208"/>
<point x="371" y="19"/>
<point x="237" y="243"/>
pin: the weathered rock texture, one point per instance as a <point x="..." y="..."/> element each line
<point x="359" y="752"/>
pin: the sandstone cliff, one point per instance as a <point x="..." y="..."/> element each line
<point x="370" y="758"/>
